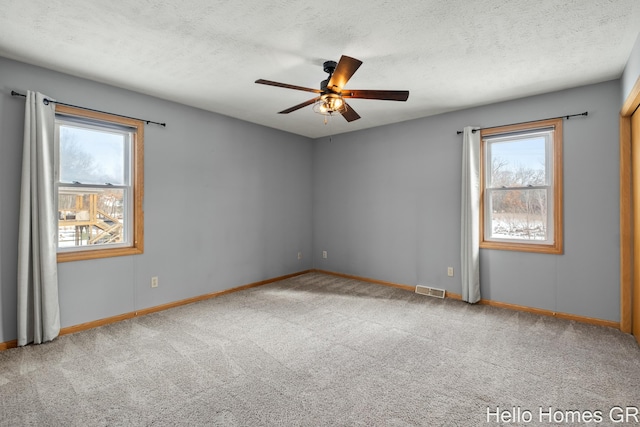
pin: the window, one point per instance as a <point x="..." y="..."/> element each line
<point x="99" y="184"/>
<point x="521" y="184"/>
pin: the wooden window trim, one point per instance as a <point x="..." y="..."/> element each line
<point x="137" y="245"/>
<point x="627" y="267"/>
<point x="558" y="244"/>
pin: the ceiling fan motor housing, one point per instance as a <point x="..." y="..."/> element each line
<point x="329" y="67"/>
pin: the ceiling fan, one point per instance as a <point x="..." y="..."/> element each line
<point x="332" y="91"/>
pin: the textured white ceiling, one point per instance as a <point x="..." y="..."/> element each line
<point x="450" y="54"/>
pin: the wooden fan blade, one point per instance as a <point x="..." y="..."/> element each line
<point x="287" y="86"/>
<point x="299" y="106"/>
<point x="385" y="95"/>
<point x="350" y="114"/>
<point x="346" y="67"/>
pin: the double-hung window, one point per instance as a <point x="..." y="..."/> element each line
<point x="99" y="184"/>
<point x="521" y="180"/>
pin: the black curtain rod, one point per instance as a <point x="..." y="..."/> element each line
<point x="47" y="101"/>
<point x="586" y="113"/>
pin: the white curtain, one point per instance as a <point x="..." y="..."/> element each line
<point x="470" y="236"/>
<point x="38" y="309"/>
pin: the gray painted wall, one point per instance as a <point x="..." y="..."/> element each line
<point x="631" y="71"/>
<point x="387" y="205"/>
<point x="383" y="202"/>
<point x="226" y="203"/>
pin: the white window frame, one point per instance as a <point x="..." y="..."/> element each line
<point x="551" y="131"/>
<point x="132" y="242"/>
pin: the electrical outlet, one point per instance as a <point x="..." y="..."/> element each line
<point x="299" y="255"/>
<point x="324" y="254"/>
<point x="450" y="271"/>
<point x="154" y="282"/>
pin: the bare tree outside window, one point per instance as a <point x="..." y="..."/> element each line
<point x="518" y="212"/>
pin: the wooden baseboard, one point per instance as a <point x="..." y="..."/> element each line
<point x="367" y="279"/>
<point x="516" y="307"/>
<point x="453" y="295"/>
<point x="9" y="344"/>
<point x="96" y="323"/>
<point x="215" y="294"/>
<point x="120" y="317"/>
<point x="542" y="312"/>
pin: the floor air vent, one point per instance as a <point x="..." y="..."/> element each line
<point x="429" y="291"/>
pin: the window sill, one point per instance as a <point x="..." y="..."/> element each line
<point x="97" y="254"/>
<point x="555" y="249"/>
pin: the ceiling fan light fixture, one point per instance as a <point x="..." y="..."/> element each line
<point x="330" y="103"/>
